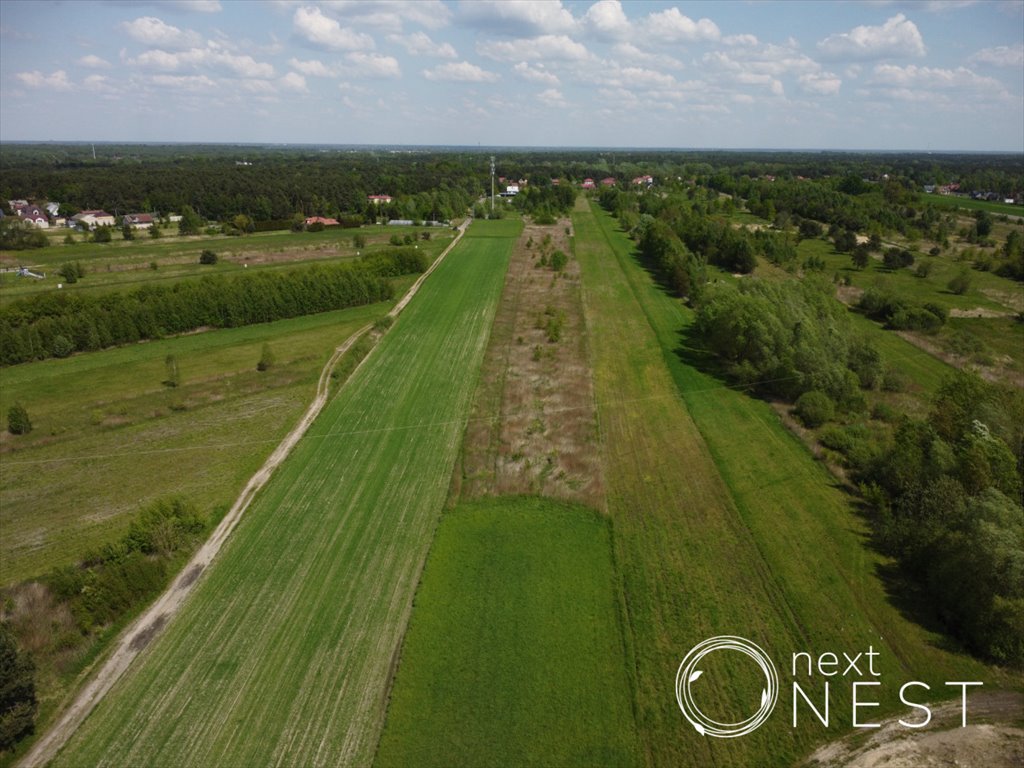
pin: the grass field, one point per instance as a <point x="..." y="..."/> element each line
<point x="109" y="437"/>
<point x="724" y="524"/>
<point x="284" y="652"/>
<point x="948" y="201"/>
<point x="123" y="265"/>
<point x="514" y="654"/>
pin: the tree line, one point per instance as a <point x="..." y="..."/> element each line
<point x="58" y="323"/>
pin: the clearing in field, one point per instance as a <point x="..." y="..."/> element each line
<point x="514" y="653"/>
<point x="284" y="652"/>
<point x="724" y="524"/>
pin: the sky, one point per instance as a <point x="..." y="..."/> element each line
<point x="874" y="74"/>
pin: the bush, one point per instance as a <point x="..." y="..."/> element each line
<point x="266" y="359"/>
<point x="207" y="257"/>
<point x="18" y="422"/>
<point x="961" y="283"/>
<point x="359" y="241"/>
<point x="71" y="272"/>
<point x="814" y="408"/>
<point x="102" y="235"/>
<point x="62" y="346"/>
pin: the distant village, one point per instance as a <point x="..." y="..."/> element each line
<point x="47" y="214"/>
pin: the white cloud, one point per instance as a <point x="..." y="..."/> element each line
<point x="824" y="83"/>
<point x="552" y="97"/>
<point x="671" y="26"/>
<point x="1000" y="56"/>
<point x="97" y="83"/>
<point x="293" y="82"/>
<point x="420" y="44"/>
<point x="535" y="74"/>
<point x="325" y="32"/>
<point x="372" y="65"/>
<point x="461" y="72"/>
<point x="57" y="81"/>
<point x="93" y="61"/>
<point x="607" y="19"/>
<point x="390" y="14"/>
<point x="523" y="17"/>
<point x="897" y="38"/>
<point x="544" y="47"/>
<point x="631" y="54"/>
<point x="152" y="31"/>
<point x="312" y="67"/>
<point x="184" y="82"/>
<point x="913" y="76"/>
<point x="197" y="58"/>
<point x="745" y="40"/>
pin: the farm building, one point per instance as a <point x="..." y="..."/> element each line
<point x="321" y="220"/>
<point x="588" y="184"/>
<point x="608" y="182"/>
<point x="138" y="220"/>
<point x="93" y="219"/>
<point x="378" y="199"/>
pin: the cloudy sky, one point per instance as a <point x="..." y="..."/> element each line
<point x="848" y="75"/>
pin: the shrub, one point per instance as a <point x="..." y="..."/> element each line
<point x="18" y="422"/>
<point x="359" y="241"/>
<point x="814" y="408"/>
<point x="558" y="261"/>
<point x="961" y="283"/>
<point x="207" y="257"/>
<point x="18" y="688"/>
<point x="71" y="272"/>
<point x="266" y="359"/>
<point x="62" y="346"/>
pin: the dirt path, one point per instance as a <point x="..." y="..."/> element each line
<point x="992" y="738"/>
<point x="147" y="626"/>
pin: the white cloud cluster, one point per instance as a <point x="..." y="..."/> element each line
<point x="213" y="56"/>
<point x="1000" y="56"/>
<point x="324" y="32"/>
<point x="541" y="48"/>
<point x="896" y="38"/>
<point x="310" y="67"/>
<point x="671" y="26"/>
<point x="92" y="61"/>
<point x="522" y="17"/>
<point x="371" y="65"/>
<point x="536" y="74"/>
<point x="460" y="72"/>
<point x="420" y="44"/>
<point x="55" y="81"/>
<point x="152" y="31"/>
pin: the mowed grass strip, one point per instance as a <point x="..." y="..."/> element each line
<point x="283" y="654"/>
<point x="514" y="654"/>
<point x="805" y="531"/>
<point x="109" y="437"/>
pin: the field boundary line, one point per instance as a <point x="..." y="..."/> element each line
<point x="138" y="635"/>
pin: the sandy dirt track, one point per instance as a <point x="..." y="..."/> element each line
<point x="142" y="631"/>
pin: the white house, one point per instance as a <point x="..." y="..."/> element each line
<point x="33" y="214"/>
<point x="138" y="220"/>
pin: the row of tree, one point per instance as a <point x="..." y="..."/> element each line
<point x="56" y="324"/>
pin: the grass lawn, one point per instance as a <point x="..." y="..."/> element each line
<point x="284" y="651"/>
<point x="514" y="654"/>
<point x="993" y="207"/>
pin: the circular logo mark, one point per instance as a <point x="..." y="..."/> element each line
<point x="689" y="673"/>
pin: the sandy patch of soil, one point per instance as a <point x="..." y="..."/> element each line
<point x="534" y="423"/>
<point x="993" y="738"/>
<point x="978" y="312"/>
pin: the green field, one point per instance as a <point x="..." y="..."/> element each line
<point x="724" y="524"/>
<point x="123" y="265"/>
<point x="514" y="654"/>
<point x="109" y="437"/>
<point x="284" y="652"/>
<point x="948" y="201"/>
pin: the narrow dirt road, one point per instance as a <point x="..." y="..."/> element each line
<point x="142" y="631"/>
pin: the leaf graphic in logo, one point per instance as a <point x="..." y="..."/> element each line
<point x="699" y="727"/>
<point x="764" y="696"/>
<point x="695" y="675"/>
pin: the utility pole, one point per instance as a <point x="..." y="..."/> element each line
<point x="492" y="184"/>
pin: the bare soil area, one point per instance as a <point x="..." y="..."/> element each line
<point x="993" y="738"/>
<point x="533" y="429"/>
